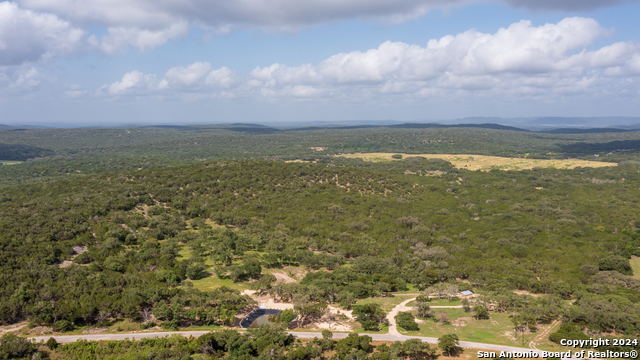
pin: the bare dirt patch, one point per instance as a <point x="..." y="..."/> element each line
<point x="66" y="263"/>
<point x="80" y="249"/>
<point x="524" y="292"/>
<point x="463" y="321"/>
<point x="283" y="277"/>
<point x="335" y="320"/>
<point x="13" y="327"/>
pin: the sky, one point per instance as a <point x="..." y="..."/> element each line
<point x="118" y="62"/>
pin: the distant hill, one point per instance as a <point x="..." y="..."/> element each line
<point x="254" y="130"/>
<point x="247" y="125"/>
<point x="19" y="152"/>
<point x="411" y="126"/>
<point x="630" y="127"/>
<point x="4" y="127"/>
<point x="585" y="131"/>
<point x="583" y="122"/>
<point x="484" y="126"/>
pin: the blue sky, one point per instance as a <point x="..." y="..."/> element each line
<point x="113" y="62"/>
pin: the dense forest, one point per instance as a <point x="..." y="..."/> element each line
<point x="60" y="153"/>
<point x="363" y="229"/>
<point x="106" y="226"/>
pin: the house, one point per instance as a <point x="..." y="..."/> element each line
<point x="466" y="294"/>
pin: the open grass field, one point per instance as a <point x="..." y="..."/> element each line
<point x="482" y="162"/>
<point x="203" y="328"/>
<point x="440" y="302"/>
<point x="496" y="330"/>
<point x="213" y="282"/>
<point x="411" y="289"/>
<point x="386" y="303"/>
<point x="358" y="329"/>
<point x="543" y="343"/>
<point x="210" y="282"/>
<point x="10" y="162"/>
<point x="635" y="265"/>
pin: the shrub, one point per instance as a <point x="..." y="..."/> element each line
<point x="52" y="343"/>
<point x="63" y="326"/>
<point x="196" y="271"/>
<point x="589" y="269"/>
<point x="12" y="347"/>
<point x="481" y="312"/>
<point x="83" y="258"/>
<point x="114" y="264"/>
<point x="406" y="321"/>
<point x="287" y="316"/>
<point x="409" y="221"/>
<point x="422" y="307"/>
<point x="567" y="331"/>
<point x="450" y="344"/>
<point x="616" y="263"/>
<point x="370" y="316"/>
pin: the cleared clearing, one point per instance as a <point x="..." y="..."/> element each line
<point x="483" y="162"/>
<point x="635" y="265"/>
<point x="10" y="162"/>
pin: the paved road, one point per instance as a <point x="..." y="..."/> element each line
<point x="303" y="335"/>
<point x="393" y="335"/>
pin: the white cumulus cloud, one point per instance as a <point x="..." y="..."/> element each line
<point x="27" y="36"/>
<point x="188" y="76"/>
<point x="20" y="80"/>
<point x="36" y="29"/>
<point x="521" y="49"/>
<point x="133" y="81"/>
<point x="523" y="59"/>
<point x="268" y="14"/>
<point x="118" y="38"/>
<point x="223" y="78"/>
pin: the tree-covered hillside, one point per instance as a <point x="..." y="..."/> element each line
<point x="361" y="232"/>
<point x="62" y="153"/>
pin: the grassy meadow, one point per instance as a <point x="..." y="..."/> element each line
<point x="483" y="162"/>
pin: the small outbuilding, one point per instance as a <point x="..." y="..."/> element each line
<point x="466" y="294"/>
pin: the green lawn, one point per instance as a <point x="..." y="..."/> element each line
<point x="358" y="329"/>
<point x="110" y="327"/>
<point x="386" y="303"/>
<point x="411" y="289"/>
<point x="545" y="344"/>
<point x="10" y="162"/>
<point x="491" y="331"/>
<point x="184" y="253"/>
<point x="203" y="328"/>
<point x="213" y="282"/>
<point x="440" y="302"/>
<point x="210" y="282"/>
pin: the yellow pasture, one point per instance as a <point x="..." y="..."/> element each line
<point x="482" y="162"/>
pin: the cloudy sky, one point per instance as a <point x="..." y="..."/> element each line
<point x="99" y="62"/>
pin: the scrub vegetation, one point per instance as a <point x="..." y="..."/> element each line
<point x="137" y="240"/>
